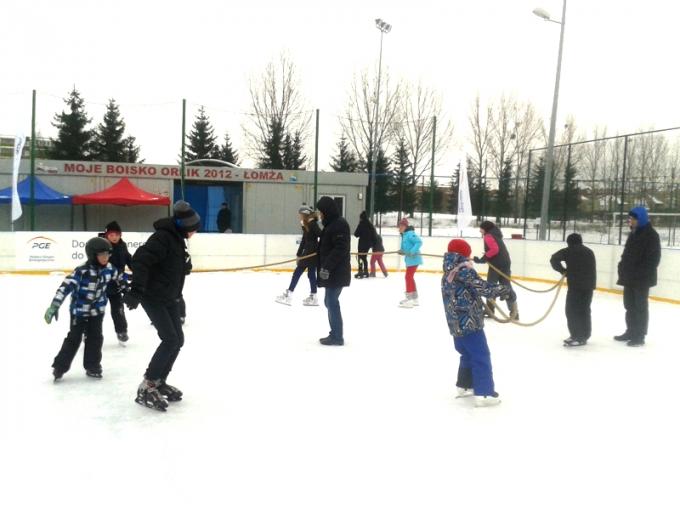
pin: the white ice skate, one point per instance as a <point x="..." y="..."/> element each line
<point x="286" y="298"/>
<point x="409" y="301"/>
<point x="311" y="300"/>
<point x="488" y="401"/>
<point x="464" y="392"/>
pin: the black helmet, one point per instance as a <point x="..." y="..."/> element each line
<point x="95" y="246"/>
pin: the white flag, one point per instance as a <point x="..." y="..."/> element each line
<point x="18" y="151"/>
<point x="464" y="206"/>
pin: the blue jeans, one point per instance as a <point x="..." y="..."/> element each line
<point x="311" y="273"/>
<point x="332" y="303"/>
<point x="475" y="361"/>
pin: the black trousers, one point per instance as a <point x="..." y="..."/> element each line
<point x="363" y="263"/>
<point x="493" y="277"/>
<point x="636" y="303"/>
<point x="577" y="310"/>
<point x="118" y="313"/>
<point x="91" y="327"/>
<point x="166" y="320"/>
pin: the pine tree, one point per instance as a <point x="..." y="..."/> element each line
<point x="403" y="180"/>
<point x="108" y="143"/>
<point x="292" y="156"/>
<point x="570" y="194"/>
<point x="383" y="184"/>
<point x="503" y="195"/>
<point x="202" y="140"/>
<point x="73" y="138"/>
<point x="536" y="192"/>
<point x="273" y="147"/>
<point x="346" y="160"/>
<point x="227" y="152"/>
<point x="479" y="191"/>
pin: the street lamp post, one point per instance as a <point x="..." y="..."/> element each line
<point x="384" y="28"/>
<point x="547" y="178"/>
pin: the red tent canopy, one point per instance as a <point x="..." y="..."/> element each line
<point x="122" y="193"/>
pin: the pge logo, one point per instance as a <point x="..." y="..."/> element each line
<point x="41" y="243"/>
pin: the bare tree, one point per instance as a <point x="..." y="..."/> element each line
<point x="481" y="125"/>
<point x="647" y="155"/>
<point x="594" y="157"/>
<point x="529" y="131"/>
<point x="419" y="106"/>
<point x="502" y="121"/>
<point x="278" y="107"/>
<point x="360" y="124"/>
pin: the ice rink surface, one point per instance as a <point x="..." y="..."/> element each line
<point x="271" y="419"/>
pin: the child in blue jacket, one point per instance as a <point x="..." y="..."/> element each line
<point x="410" y="248"/>
<point x="88" y="285"/>
<point x="462" y="290"/>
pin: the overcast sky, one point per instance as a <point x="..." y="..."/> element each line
<point x="619" y="67"/>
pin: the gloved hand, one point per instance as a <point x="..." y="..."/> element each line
<point x="131" y="299"/>
<point x="324" y="274"/>
<point x="52" y="311"/>
<point x="479" y="260"/>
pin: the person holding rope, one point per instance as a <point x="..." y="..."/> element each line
<point x="496" y="254"/>
<point x="462" y="289"/>
<point x="410" y="248"/>
<point x="365" y="231"/>
<point x="335" y="270"/>
<point x="377" y="252"/>
<point x="581" y="279"/>
<point x="308" y="246"/>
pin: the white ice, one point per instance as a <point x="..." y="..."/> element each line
<point x="271" y="419"/>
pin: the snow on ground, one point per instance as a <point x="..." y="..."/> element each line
<point x="272" y="420"/>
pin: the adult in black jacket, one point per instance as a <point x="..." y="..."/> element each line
<point x="496" y="253"/>
<point x="335" y="271"/>
<point x="308" y="246"/>
<point x="365" y="231"/>
<point x="120" y="258"/>
<point x="158" y="271"/>
<point x="581" y="278"/>
<point x="637" y="273"/>
<point x="224" y="218"/>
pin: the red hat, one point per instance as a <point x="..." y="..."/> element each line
<point x="460" y="246"/>
<point x="403" y="222"/>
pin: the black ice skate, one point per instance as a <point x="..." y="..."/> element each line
<point x="95" y="373"/>
<point x="123" y="337"/>
<point x="149" y="396"/>
<point x="58" y="374"/>
<point x="171" y="393"/>
<point x="573" y="342"/>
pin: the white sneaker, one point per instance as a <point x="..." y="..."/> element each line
<point x="311" y="300"/>
<point x="487" y="401"/>
<point x="464" y="392"/>
<point x="286" y="298"/>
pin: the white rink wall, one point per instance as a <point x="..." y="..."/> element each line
<point x="61" y="251"/>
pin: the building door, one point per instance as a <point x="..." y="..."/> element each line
<point x="207" y="198"/>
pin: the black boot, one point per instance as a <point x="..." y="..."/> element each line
<point x="624" y="337"/>
<point x="635" y="342"/>
<point x="331" y="340"/>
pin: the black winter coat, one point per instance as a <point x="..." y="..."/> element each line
<point x="502" y="259"/>
<point x="160" y="265"/>
<point x="581" y="270"/>
<point x="366" y="234"/>
<point x="378" y="246"/>
<point x="640" y="258"/>
<point x="334" y="247"/>
<point x="309" y="244"/>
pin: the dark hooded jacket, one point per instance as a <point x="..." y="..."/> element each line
<point x="580" y="260"/>
<point x="365" y="231"/>
<point x="334" y="246"/>
<point x="641" y="255"/>
<point x="160" y="265"/>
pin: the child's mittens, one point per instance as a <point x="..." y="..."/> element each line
<point x="52" y="311"/>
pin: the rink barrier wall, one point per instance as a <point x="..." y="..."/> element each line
<point x="45" y="252"/>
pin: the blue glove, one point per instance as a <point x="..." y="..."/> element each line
<point x="324" y="274"/>
<point x="52" y="311"/>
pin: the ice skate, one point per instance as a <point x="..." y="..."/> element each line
<point x="406" y="302"/>
<point x="94" y="373"/>
<point x="464" y="392"/>
<point x="171" y="393"/>
<point x="635" y="342"/>
<point x="286" y="298"/>
<point x="573" y="342"/>
<point x="311" y="300"/>
<point x="487" y="401"/>
<point x="624" y="337"/>
<point x="414" y="298"/>
<point x="371" y="274"/>
<point x="149" y="396"/>
<point x="58" y="374"/>
<point x="122" y="337"/>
